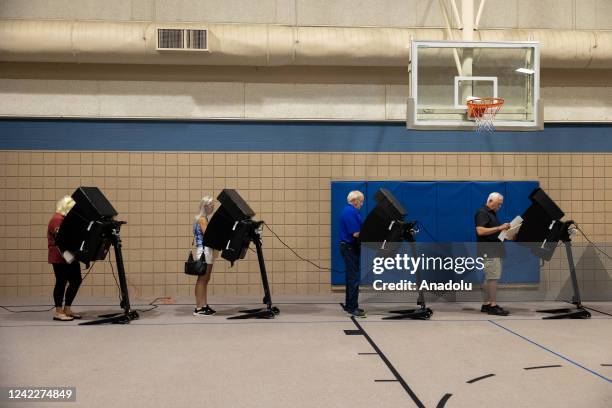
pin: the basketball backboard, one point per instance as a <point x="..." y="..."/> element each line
<point x="445" y="74"/>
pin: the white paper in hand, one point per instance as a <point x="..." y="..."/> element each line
<point x="515" y="225"/>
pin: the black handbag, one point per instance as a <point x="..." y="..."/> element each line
<point x="195" y="267"/>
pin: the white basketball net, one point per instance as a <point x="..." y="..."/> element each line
<point x="483" y="112"/>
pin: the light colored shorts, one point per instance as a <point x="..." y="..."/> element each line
<point x="208" y="254"/>
<point x="492" y="268"/>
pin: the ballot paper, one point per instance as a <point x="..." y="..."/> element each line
<point x="515" y="225"/>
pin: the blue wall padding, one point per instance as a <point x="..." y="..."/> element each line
<point x="454" y="199"/>
<point x="445" y="211"/>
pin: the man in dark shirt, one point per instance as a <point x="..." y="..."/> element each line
<point x="492" y="250"/>
<point x="350" y="225"/>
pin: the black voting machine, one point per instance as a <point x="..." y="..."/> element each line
<point x="231" y="230"/>
<point x="542" y="229"/>
<point x="385" y="228"/>
<point x="88" y="231"/>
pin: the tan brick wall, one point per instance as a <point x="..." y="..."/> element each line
<point x="158" y="194"/>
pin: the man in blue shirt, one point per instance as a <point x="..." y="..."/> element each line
<point x="350" y="225"/>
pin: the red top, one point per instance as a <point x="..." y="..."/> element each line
<point x="55" y="255"/>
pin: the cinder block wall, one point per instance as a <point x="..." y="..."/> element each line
<point x="158" y="193"/>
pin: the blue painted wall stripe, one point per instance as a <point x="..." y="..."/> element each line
<point x="58" y="134"/>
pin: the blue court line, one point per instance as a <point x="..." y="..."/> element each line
<point x="553" y="352"/>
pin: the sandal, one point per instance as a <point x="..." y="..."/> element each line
<point x="74" y="315"/>
<point x="63" y="318"/>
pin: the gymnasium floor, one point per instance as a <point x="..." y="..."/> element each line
<point x="312" y="355"/>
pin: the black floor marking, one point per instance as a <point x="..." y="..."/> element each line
<point x="473" y="380"/>
<point x="546" y="366"/>
<point x="395" y="373"/>
<point x="385" y="380"/>
<point x="442" y="402"/>
<point x="367" y="354"/>
<point x="353" y="332"/>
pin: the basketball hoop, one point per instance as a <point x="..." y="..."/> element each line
<point x="483" y="111"/>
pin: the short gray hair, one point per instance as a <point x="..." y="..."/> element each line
<point x="494" y="196"/>
<point x="353" y="195"/>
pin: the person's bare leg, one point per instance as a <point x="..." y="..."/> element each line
<point x="485" y="292"/>
<point x="492" y="292"/>
<point x="206" y="279"/>
<point x="200" y="292"/>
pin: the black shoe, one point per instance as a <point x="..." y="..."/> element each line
<point x="356" y="310"/>
<point x="210" y="310"/>
<point x="358" y="313"/>
<point x="498" y="311"/>
<point x="485" y="308"/>
<point x="204" y="311"/>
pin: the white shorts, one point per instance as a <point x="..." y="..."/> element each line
<point x="208" y="254"/>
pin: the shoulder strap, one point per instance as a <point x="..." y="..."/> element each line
<point x="193" y="234"/>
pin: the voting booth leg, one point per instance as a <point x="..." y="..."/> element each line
<point x="269" y="312"/>
<point x="566" y="313"/>
<point x="421" y="313"/>
<point x="127" y="315"/>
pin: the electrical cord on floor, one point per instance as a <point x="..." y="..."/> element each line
<point x="26" y="311"/>
<point x="147" y="310"/>
<point x="53" y="307"/>
<point x="44" y="310"/>
<point x="151" y="303"/>
<point x="119" y="288"/>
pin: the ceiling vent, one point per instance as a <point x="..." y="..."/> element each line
<point x="182" y="39"/>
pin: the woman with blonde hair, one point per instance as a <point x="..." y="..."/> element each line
<point x="65" y="273"/>
<point x="200" y="223"/>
